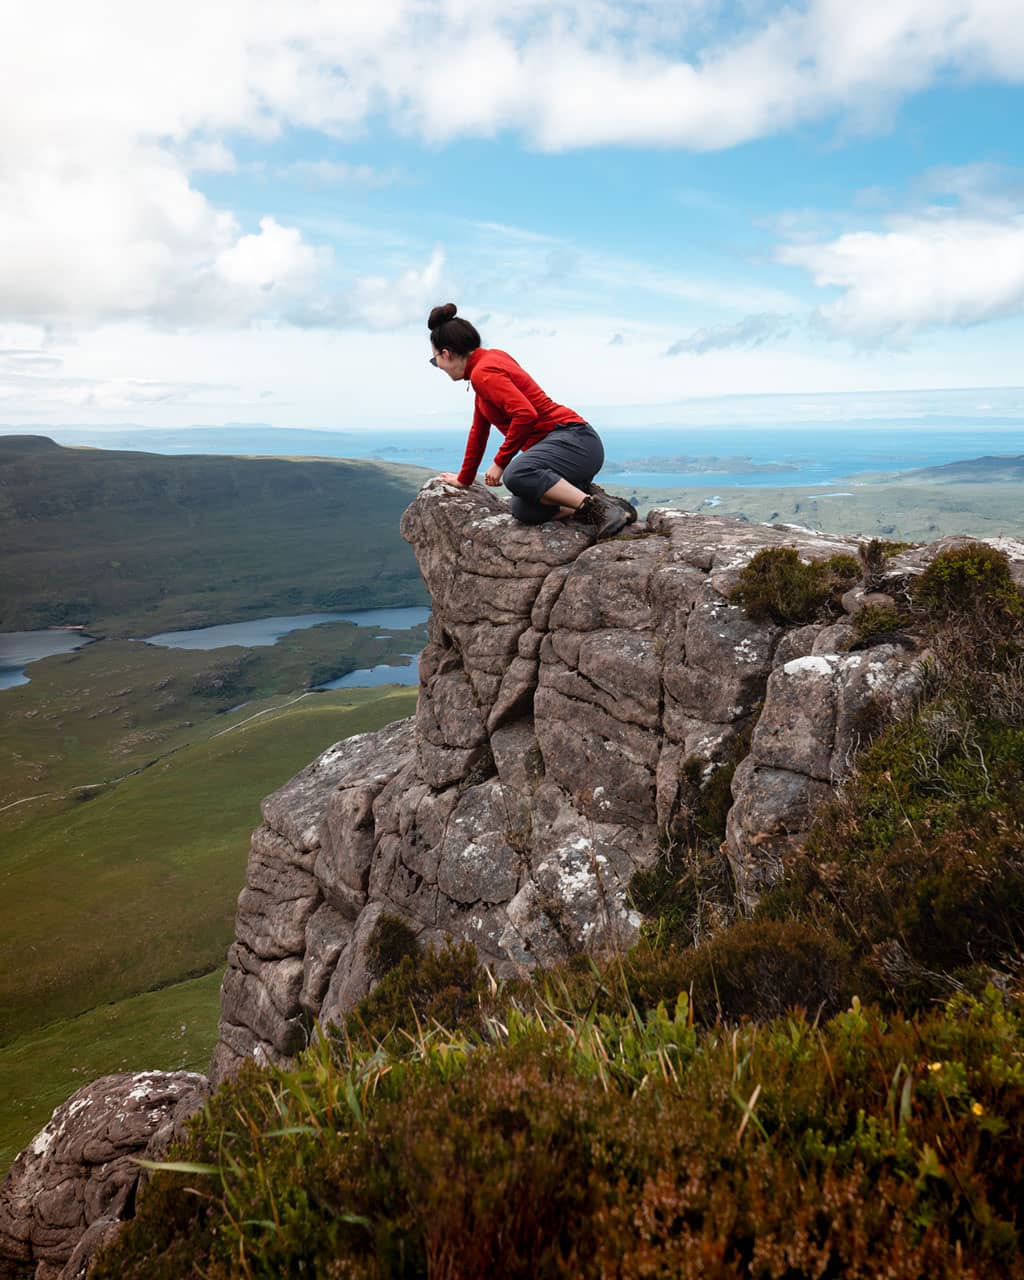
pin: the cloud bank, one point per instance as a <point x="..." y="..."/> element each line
<point x="954" y="270"/>
<point x="105" y="127"/>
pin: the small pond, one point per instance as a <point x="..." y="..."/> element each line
<point x="370" y="677"/>
<point x="20" y="648"/>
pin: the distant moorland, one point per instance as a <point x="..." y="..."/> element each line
<point x="983" y="497"/>
<point x="134" y="543"/>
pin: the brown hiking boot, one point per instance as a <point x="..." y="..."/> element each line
<point x="630" y="510"/>
<point x="601" y="517"/>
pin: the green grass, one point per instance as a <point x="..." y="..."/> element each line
<point x="136" y="889"/>
<point x="552" y="1141"/>
<point x="173" y="1029"/>
<point x="96" y="714"/>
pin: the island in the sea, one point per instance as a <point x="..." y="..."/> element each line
<point x="684" y="464"/>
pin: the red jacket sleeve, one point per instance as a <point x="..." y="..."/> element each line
<point x="499" y="389"/>
<point x="475" y="446"/>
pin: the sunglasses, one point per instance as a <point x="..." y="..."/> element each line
<point x="433" y="361"/>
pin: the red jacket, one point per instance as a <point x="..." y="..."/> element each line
<point x="509" y="399"/>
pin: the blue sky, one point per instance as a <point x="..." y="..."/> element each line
<point x="243" y="212"/>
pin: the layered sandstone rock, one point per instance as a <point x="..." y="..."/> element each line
<point x="566" y="694"/>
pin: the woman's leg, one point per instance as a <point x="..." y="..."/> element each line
<point x="554" y="474"/>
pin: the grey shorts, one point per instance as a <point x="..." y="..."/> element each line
<point x="572" y="452"/>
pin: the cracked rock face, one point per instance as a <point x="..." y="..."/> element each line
<point x="564" y="690"/>
<point x="69" y="1189"/>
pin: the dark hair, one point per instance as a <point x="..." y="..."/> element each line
<point x="450" y="334"/>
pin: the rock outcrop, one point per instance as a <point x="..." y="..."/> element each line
<point x="567" y="693"/>
<point x="68" y="1191"/>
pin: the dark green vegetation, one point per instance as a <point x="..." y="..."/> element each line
<point x="134" y="543"/>
<point x="918" y="866"/>
<point x="559" y="1141"/>
<point x="831" y="1088"/>
<point x="777" y="585"/>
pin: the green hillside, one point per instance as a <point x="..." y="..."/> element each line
<point x="136" y="889"/>
<point x="88" y="718"/>
<point x="132" y="543"/>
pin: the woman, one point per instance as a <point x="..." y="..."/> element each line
<point x="550" y="455"/>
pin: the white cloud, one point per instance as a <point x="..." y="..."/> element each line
<point x="751" y="331"/>
<point x="383" y="303"/>
<point x="103" y="127"/>
<point x="923" y="273"/>
<point x="205" y="156"/>
<point x="276" y="258"/>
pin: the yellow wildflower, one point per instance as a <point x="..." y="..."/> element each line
<point x="934" y="1066"/>
<point x="978" y="1109"/>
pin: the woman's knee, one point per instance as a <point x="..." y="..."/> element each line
<point x="530" y="512"/>
<point x="513" y="478"/>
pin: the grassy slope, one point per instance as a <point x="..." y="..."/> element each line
<point x="114" y="706"/>
<point x="134" y="543"/>
<point x="136" y="888"/>
<point x="172" y="1029"/>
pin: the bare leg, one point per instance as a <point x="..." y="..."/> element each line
<point x="563" y="495"/>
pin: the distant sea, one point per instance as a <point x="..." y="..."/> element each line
<point x="819" y="455"/>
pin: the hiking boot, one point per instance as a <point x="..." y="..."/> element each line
<point x="602" y="518"/>
<point x="630" y="510"/>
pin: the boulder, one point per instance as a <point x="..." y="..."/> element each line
<point x="78" y="1179"/>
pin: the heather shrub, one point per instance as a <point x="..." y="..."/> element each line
<point x="873" y="625"/>
<point x="918" y="865"/>
<point x="574" y="1143"/>
<point x="777" y="585"/>
<point x="436" y="985"/>
<point x="966" y="580"/>
<point x="688" y="894"/>
<point x="761" y="969"/>
<point x="390" y="942"/>
<point x="874" y="559"/>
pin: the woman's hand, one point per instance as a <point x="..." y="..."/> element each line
<point x="449" y="477"/>
<point x="493" y="475"/>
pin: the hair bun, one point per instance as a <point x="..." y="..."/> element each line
<point x="440" y="314"/>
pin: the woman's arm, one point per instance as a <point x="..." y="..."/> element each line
<point x="475" y="446"/>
